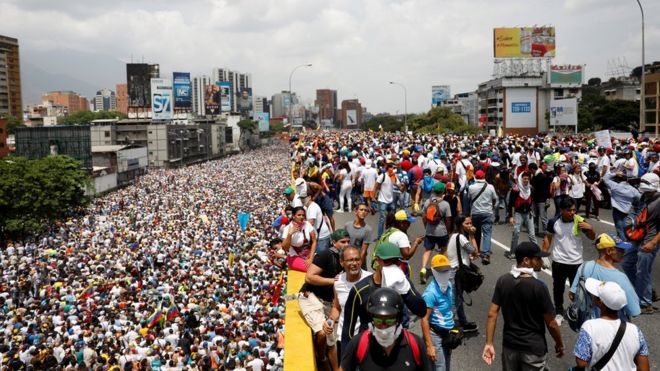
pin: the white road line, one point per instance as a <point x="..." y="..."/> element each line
<point x="507" y="248"/>
<point x="606" y="222"/>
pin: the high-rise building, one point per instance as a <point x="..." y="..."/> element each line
<point x="261" y="104"/>
<point x="239" y="82"/>
<point x="71" y="100"/>
<point x="281" y="102"/>
<point x="4" y="148"/>
<point x="652" y="99"/>
<point x="351" y="114"/>
<point x="105" y="100"/>
<point x="326" y="101"/>
<point x="122" y="98"/>
<point x="10" y="78"/>
<point x="198" y="93"/>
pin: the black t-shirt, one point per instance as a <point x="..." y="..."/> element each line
<point x="328" y="261"/>
<point x="540" y="187"/>
<point x="524" y="301"/>
<point x="400" y="358"/>
<point x="592" y="177"/>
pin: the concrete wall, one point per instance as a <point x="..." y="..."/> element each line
<point x="127" y="156"/>
<point x="105" y="183"/>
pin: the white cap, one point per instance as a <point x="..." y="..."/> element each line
<point x="610" y="293"/>
<point x="367" y="163"/>
<point x="650" y="182"/>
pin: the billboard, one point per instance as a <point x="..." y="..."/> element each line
<point x="161" y="99"/>
<point x="245" y="100"/>
<point x="138" y="84"/>
<point x="520" y="107"/>
<point x="264" y="120"/>
<point x="563" y="112"/>
<point x="565" y="76"/>
<point x="524" y="42"/>
<point x="439" y="94"/>
<point x="212" y="99"/>
<point x="351" y="117"/>
<point x="225" y="96"/>
<point x="182" y="90"/>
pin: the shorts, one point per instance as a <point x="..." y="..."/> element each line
<point x="430" y="242"/>
<point x="314" y="310"/>
<point x="369" y="195"/>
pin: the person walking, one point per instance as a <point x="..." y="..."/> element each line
<point x="592" y="181"/>
<point x="527" y="311"/>
<point x="439" y="318"/>
<point x="360" y="232"/>
<point x="464" y="240"/>
<point x="576" y="187"/>
<point x="385" y="184"/>
<point x="520" y="207"/>
<point x="540" y="194"/>
<point x="345" y="180"/>
<point x="483" y="198"/>
<point x="437" y="225"/>
<point x="623" y="197"/>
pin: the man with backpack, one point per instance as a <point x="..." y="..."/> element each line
<point x="483" y="198"/>
<point x="385" y="345"/>
<point x="638" y="261"/>
<point x="437" y="224"/>
<point x="623" y="197"/>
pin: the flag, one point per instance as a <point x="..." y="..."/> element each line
<point x="155" y="317"/>
<point x="232" y="256"/>
<point x="172" y="311"/>
<point x="482" y="121"/>
<point x="87" y="293"/>
<point x="243" y="220"/>
<point x="277" y="290"/>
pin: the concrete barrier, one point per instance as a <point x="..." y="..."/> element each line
<point x="298" y="347"/>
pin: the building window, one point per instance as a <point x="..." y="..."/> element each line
<point x="651" y="88"/>
<point x="650" y="117"/>
<point x="559" y="93"/>
<point x="650" y="103"/>
<point x="229" y="135"/>
<point x="107" y="134"/>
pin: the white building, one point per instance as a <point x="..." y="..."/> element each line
<point x="198" y="92"/>
<point x="105" y="100"/>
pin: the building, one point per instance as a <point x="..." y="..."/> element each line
<point x="45" y="114"/>
<point x="261" y="104"/>
<point x="124" y="164"/>
<point x="4" y="146"/>
<point x="239" y="82"/>
<point x="652" y="98"/>
<point x="198" y="94"/>
<point x="10" y="78"/>
<point x="122" y="98"/>
<point x="39" y="142"/>
<point x="105" y="100"/>
<point x="464" y="104"/>
<point x="326" y="101"/>
<point x="351" y="114"/>
<point x="280" y="104"/>
<point x="623" y="88"/>
<point x="69" y="99"/>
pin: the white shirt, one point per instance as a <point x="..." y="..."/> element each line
<point x="386" y="193"/>
<point x="601" y="332"/>
<point x="257" y="364"/>
<point x="298" y="238"/>
<point x="342" y="288"/>
<point x="314" y="212"/>
<point x="368" y="176"/>
<point x="452" y="254"/>
<point x="566" y="247"/>
<point x="632" y="167"/>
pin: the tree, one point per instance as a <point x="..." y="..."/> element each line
<point x="594" y="81"/>
<point x="34" y="193"/>
<point x="389" y="123"/>
<point x="85" y="117"/>
<point x="12" y="123"/>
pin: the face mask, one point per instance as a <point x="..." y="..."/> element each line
<point x="517" y="271"/>
<point x="386" y="336"/>
<point x="442" y="278"/>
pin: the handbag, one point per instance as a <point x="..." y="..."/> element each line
<point x="469" y="276"/>
<point x="451" y="339"/>
<point x="598" y="194"/>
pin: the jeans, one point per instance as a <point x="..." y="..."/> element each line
<point x="484" y="225"/>
<point x="560" y="273"/>
<point x="443" y="356"/>
<point x="383" y="209"/>
<point x="520" y="219"/>
<point x="578" y="202"/>
<point x="501" y="201"/>
<point x="619" y="223"/>
<point x="519" y="361"/>
<point x="541" y="220"/>
<point x="322" y="244"/>
<point x="589" y="196"/>
<point x="466" y="203"/>
<point x="638" y="266"/>
<point x="459" y="310"/>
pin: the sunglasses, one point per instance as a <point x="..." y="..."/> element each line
<point x="384" y="321"/>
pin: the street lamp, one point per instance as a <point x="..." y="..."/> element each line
<point x="290" y="93"/>
<point x="405" y="105"/>
<point x="642" y="114"/>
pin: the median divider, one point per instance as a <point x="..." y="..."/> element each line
<point x="298" y="347"/>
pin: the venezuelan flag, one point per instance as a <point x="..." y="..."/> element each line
<point x="87" y="293"/>
<point x="172" y="311"/>
<point x="277" y="291"/>
<point x="155" y="317"/>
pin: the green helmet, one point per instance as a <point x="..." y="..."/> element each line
<point x="387" y="250"/>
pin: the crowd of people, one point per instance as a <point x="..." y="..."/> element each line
<point x="460" y="187"/>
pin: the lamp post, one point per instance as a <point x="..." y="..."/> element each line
<point x="405" y="105"/>
<point x="290" y="93"/>
<point x="642" y="108"/>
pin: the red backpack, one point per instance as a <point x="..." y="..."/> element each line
<point x="363" y="345"/>
<point x="639" y="227"/>
<point x="432" y="214"/>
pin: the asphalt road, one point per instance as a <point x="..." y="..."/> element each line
<point x="468" y="356"/>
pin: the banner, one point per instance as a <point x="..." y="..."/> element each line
<point x="520" y="108"/>
<point x="182" y="90"/>
<point x="524" y="42"/>
<point x="245" y="100"/>
<point x="603" y="138"/>
<point x="212" y="99"/>
<point x="351" y="117"/>
<point x="137" y="81"/>
<point x="264" y="120"/>
<point x="439" y="94"/>
<point x="565" y="76"/>
<point x="161" y="99"/>
<point x="225" y="96"/>
<point x="563" y="112"/>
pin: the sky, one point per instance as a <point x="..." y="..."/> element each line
<point x="354" y="46"/>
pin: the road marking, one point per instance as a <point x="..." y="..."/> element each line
<point x="606" y="222"/>
<point x="507" y="248"/>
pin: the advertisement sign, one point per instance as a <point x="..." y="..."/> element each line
<point x="138" y="84"/>
<point x="565" y="76"/>
<point x="351" y="117"/>
<point x="161" y="99"/>
<point x="225" y="96"/>
<point x="520" y="108"/>
<point x="182" y="90"/>
<point x="603" y="138"/>
<point x="245" y="100"/>
<point x="563" y="112"/>
<point x="524" y="42"/>
<point x="212" y="99"/>
<point x="264" y="120"/>
<point x="439" y="94"/>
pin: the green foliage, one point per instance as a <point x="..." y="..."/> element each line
<point x="595" y="112"/>
<point x="35" y="192"/>
<point x="389" y="123"/>
<point x="85" y="117"/>
<point x="248" y="125"/>
<point x="277" y="128"/>
<point x="441" y="120"/>
<point x="12" y="122"/>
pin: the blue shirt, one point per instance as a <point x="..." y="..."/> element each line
<point x="440" y="304"/>
<point x="623" y="194"/>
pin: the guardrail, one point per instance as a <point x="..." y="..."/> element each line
<point x="298" y="347"/>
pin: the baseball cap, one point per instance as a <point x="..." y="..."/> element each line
<point x="387" y="250"/>
<point x="401" y="216"/>
<point x="650" y="182"/>
<point x="451" y="186"/>
<point x="339" y="234"/>
<point x="440" y="263"/>
<point x="530" y="249"/>
<point x="480" y="174"/>
<point x="610" y="293"/>
<point x="439" y="187"/>
<point x="605" y="241"/>
<point x="288" y="191"/>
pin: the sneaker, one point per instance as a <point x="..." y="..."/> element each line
<point x="470" y="327"/>
<point x="559" y="319"/>
<point x="509" y="255"/>
<point x="485" y="260"/>
<point x="648" y="309"/>
<point x="422" y="276"/>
